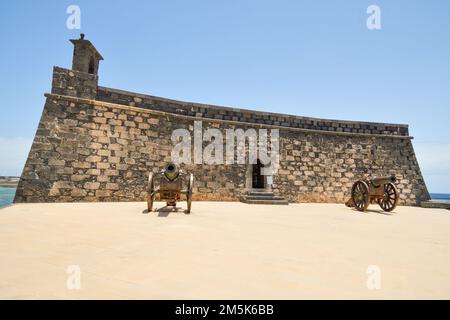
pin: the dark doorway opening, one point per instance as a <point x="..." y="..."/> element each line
<point x="257" y="177"/>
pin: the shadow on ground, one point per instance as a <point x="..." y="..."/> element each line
<point x="165" y="211"/>
<point x="374" y="211"/>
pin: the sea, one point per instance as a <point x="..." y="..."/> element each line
<point x="440" y="197"/>
<point x="7" y="196"/>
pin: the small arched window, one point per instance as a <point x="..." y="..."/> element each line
<point x="91" y="65"/>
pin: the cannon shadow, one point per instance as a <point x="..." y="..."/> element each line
<point x="165" y="211"/>
<point x="375" y="211"/>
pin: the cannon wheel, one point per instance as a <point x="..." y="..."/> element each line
<point x="150" y="189"/>
<point x="189" y="193"/>
<point x="390" y="198"/>
<point x="360" y="195"/>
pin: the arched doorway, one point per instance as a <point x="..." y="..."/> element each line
<point x="257" y="178"/>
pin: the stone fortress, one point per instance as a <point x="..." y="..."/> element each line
<point x="99" y="144"/>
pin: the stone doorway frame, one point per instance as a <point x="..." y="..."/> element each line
<point x="249" y="180"/>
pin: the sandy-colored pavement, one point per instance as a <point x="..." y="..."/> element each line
<point x="222" y="251"/>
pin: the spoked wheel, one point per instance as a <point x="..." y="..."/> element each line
<point x="150" y="192"/>
<point x="360" y="195"/>
<point x="390" y="198"/>
<point x="189" y="193"/>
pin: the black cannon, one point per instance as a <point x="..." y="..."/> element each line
<point x="379" y="190"/>
<point x="170" y="183"/>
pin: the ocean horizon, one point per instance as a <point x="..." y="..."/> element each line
<point x="440" y="197"/>
<point x="7" y="196"/>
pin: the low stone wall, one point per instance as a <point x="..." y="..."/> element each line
<point x="87" y="149"/>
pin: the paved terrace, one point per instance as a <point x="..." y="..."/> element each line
<point x="222" y="250"/>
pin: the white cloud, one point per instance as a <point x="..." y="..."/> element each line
<point x="434" y="162"/>
<point x="13" y="154"/>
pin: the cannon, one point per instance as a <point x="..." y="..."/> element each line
<point x="170" y="183"/>
<point x="379" y="190"/>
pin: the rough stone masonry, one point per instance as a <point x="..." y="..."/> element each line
<point x="99" y="144"/>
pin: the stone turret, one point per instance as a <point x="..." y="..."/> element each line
<point x="86" y="58"/>
<point x="82" y="80"/>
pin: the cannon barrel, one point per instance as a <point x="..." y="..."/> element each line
<point x="378" y="181"/>
<point x="171" y="171"/>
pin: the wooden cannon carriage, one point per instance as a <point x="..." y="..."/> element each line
<point x="379" y="190"/>
<point x="170" y="183"/>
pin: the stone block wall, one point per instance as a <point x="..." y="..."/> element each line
<point x="74" y="83"/>
<point x="88" y="152"/>
<point x="318" y="168"/>
<point x="249" y="116"/>
<point x="90" y="149"/>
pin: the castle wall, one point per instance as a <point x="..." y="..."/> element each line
<point x="99" y="144"/>
<point x="249" y="116"/>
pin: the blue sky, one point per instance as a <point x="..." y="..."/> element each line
<point x="310" y="58"/>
